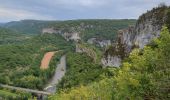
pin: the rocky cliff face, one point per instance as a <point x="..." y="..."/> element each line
<point x="68" y="35"/>
<point x="48" y="30"/>
<point x="99" y="42"/>
<point x="71" y="36"/>
<point x="90" y="52"/>
<point x="147" y="27"/>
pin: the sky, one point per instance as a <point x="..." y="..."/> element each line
<point x="14" y="10"/>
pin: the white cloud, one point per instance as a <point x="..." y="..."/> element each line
<point x="18" y="14"/>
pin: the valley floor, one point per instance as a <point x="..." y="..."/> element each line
<point x="59" y="73"/>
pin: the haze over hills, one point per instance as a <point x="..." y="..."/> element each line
<point x="105" y="59"/>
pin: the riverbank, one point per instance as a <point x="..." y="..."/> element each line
<point x="59" y="73"/>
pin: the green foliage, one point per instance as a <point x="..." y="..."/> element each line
<point x="103" y="29"/>
<point x="168" y="19"/>
<point x="98" y="91"/>
<point x="92" y="51"/>
<point x="20" y="63"/>
<point x="8" y="36"/>
<point x="18" y="95"/>
<point x="27" y="26"/>
<point x="144" y="76"/>
<point x="80" y="70"/>
<point x="116" y="51"/>
<point x="158" y="13"/>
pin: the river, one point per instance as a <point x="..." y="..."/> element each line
<point x="59" y="73"/>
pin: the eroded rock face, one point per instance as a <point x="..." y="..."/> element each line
<point x="71" y="36"/>
<point x="146" y="31"/>
<point x="99" y="42"/>
<point x="83" y="49"/>
<point x="48" y="30"/>
<point x="67" y="35"/>
<point x="147" y="27"/>
<point x="114" y="61"/>
<point x="126" y="38"/>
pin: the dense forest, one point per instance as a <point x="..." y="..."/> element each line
<point x="81" y="70"/>
<point x="8" y="36"/>
<point x="20" y="61"/>
<point x="27" y="26"/>
<point x="25" y="59"/>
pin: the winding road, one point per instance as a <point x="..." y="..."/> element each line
<point x="59" y="73"/>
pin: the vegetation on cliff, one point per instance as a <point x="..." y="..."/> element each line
<point x="104" y="29"/>
<point x="81" y="69"/>
<point x="145" y="75"/>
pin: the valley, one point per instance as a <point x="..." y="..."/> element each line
<point x="93" y="59"/>
<point x="59" y="73"/>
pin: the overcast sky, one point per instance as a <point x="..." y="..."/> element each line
<point x="11" y="10"/>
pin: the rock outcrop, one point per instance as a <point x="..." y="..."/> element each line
<point x="99" y="42"/>
<point x="111" y="61"/>
<point x="80" y="48"/>
<point x="147" y="27"/>
<point x="48" y="30"/>
<point x="68" y="35"/>
<point x="71" y="36"/>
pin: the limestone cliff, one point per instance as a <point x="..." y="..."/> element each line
<point x="80" y="48"/>
<point x="99" y="42"/>
<point x="48" y="30"/>
<point x="147" y="27"/>
<point x="68" y="35"/>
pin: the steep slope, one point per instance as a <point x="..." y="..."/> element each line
<point x="88" y="29"/>
<point x="145" y="75"/>
<point x="147" y="27"/>
<point x="95" y="31"/>
<point x="90" y="50"/>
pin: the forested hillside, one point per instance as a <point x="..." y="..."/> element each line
<point x="8" y="36"/>
<point x="143" y="73"/>
<point x="105" y="29"/>
<point x="81" y="69"/>
<point x="19" y="63"/>
<point x="27" y="26"/>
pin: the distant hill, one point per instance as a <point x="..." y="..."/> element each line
<point x="8" y="36"/>
<point x="1" y="24"/>
<point x="91" y="28"/>
<point x="100" y="28"/>
<point x="27" y="26"/>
